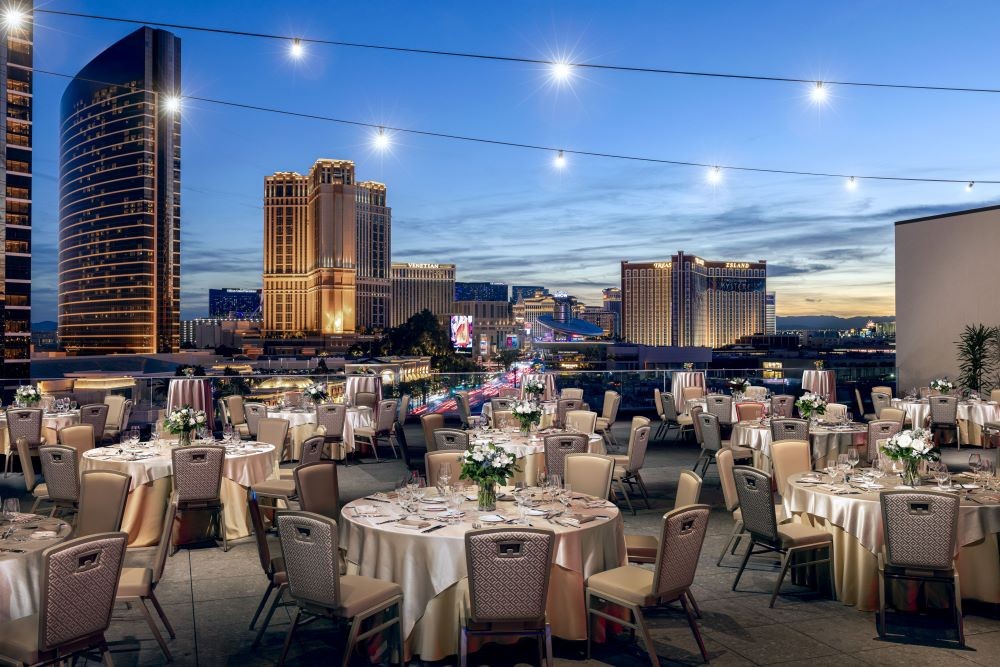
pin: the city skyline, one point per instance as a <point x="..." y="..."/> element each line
<point x="562" y="228"/>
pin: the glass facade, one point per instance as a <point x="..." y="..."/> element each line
<point x="480" y="291"/>
<point x="230" y="303"/>
<point x="374" y="257"/>
<point x="119" y="189"/>
<point x="16" y="56"/>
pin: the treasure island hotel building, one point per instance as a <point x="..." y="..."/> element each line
<point x="688" y="301"/>
<point x="119" y="198"/>
<point x="15" y="199"/>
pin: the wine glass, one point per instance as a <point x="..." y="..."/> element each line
<point x="444" y="477"/>
<point x="454" y="501"/>
<point x="942" y="476"/>
<point x="976" y="463"/>
<point x="878" y="469"/>
<point x="11" y="508"/>
<point x="853" y="457"/>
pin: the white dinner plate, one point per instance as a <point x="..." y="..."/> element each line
<point x="492" y="518"/>
<point x="534" y="512"/>
<point x="434" y="500"/>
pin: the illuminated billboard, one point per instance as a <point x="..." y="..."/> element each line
<point x="461" y="332"/>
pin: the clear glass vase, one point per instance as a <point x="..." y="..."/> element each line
<point x="184" y="438"/>
<point x="487" y="497"/>
<point x="911" y="473"/>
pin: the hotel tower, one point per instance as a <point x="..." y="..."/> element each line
<point x="119" y="200"/>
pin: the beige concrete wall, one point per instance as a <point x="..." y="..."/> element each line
<point x="946" y="277"/>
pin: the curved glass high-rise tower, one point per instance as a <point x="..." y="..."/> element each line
<point x="119" y="200"/>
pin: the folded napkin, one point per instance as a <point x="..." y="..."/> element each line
<point x="44" y="534"/>
<point x="580" y="518"/>
<point x="810" y="478"/>
<point x="360" y="510"/>
<point x="415" y="524"/>
<point x="574" y="520"/>
<point x="595" y="504"/>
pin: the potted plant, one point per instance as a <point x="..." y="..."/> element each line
<point x="183" y="422"/>
<point x="911" y="448"/>
<point x="977" y="355"/>
<point x="738" y="387"/>
<point x="942" y="385"/>
<point x="487" y="465"/>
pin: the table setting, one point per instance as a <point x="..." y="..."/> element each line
<point x="23" y="538"/>
<point x="303" y="423"/>
<point x="528" y="448"/>
<point x="826" y="440"/>
<point x="973" y="414"/>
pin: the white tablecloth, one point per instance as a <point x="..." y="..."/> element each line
<point x="824" y="441"/>
<point x="823" y="383"/>
<point x="548" y="412"/>
<point x="302" y="425"/>
<point x="977" y="412"/>
<point x="21" y="574"/>
<point x="363" y="383"/>
<point x="547" y="379"/>
<point x="679" y="380"/>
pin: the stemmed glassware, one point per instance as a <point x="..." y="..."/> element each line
<point x="976" y="463"/>
<point x="11" y="508"/>
<point x="942" y="476"/>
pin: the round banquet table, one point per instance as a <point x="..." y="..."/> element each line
<point x="52" y="423"/>
<point x="371" y="384"/>
<point x="825" y="441"/>
<point x="303" y="424"/>
<point x="548" y="380"/>
<point x="528" y="449"/>
<point x="195" y="392"/>
<point x="548" y="413"/>
<point x="972" y="415"/>
<point x="21" y="563"/>
<point x="679" y="380"/>
<point x="855" y="521"/>
<point x="823" y="383"/>
<point x="151" y="469"/>
<point x="431" y="568"/>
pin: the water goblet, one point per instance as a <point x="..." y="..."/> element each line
<point x="853" y="457"/>
<point x="11" y="508"/>
<point x="942" y="477"/>
<point x="976" y="463"/>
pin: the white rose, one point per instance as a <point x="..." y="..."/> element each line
<point x="201" y="419"/>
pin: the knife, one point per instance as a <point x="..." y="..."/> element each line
<point x="378" y="500"/>
<point x="432" y="528"/>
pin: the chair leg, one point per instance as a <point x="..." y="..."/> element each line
<point x="743" y="565"/>
<point x="263" y="602"/>
<point x="700" y="457"/>
<point x="275" y="603"/>
<point x="694" y="625"/>
<point x="352" y="639"/>
<point x="288" y="637"/>
<point x="162" y="614"/>
<point x="694" y="603"/>
<point x="221" y="518"/>
<point x="646" y="638"/>
<point x="549" y="659"/>
<point x="880" y="617"/>
<point x="621" y="487"/>
<point x="786" y="560"/>
<point x="155" y="630"/>
<point x="589" y="623"/>
<point x="34" y="507"/>
<point x="106" y="655"/>
<point x="463" y="648"/>
<point x="642" y="489"/>
<point x="734" y="539"/>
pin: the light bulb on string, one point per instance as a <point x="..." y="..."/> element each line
<point x="560" y="160"/>
<point x="968" y="188"/>
<point x="14" y="19"/>
<point x="171" y="104"/>
<point x="561" y="71"/>
<point x="381" y="140"/>
<point x="714" y="175"/>
<point x="852" y="183"/>
<point x="818" y="93"/>
<point x="297" y="49"/>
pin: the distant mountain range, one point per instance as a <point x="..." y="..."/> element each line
<point x="47" y="325"/>
<point x="828" y="321"/>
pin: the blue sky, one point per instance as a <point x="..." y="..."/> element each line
<point x="507" y="214"/>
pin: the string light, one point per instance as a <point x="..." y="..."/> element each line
<point x="561" y="71"/>
<point x="381" y="140"/>
<point x="852" y="183"/>
<point x="296" y="50"/>
<point x="715" y="175"/>
<point x="560" y="160"/>
<point x="171" y="104"/>
<point x="968" y="188"/>
<point x="14" y="18"/>
<point x="818" y="93"/>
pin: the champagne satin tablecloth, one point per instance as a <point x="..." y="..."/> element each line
<point x="21" y="573"/>
<point x="152" y="485"/>
<point x="548" y="413"/>
<point x="679" y="380"/>
<point x="855" y="521"/>
<point x="825" y="441"/>
<point x="972" y="415"/>
<point x="303" y="424"/>
<point x="823" y="383"/>
<point x="548" y="380"/>
<point x="431" y="569"/>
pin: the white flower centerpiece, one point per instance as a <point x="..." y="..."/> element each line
<point x="27" y="395"/>
<point x="534" y="387"/>
<point x="527" y="413"/>
<point x="911" y="447"/>
<point x="315" y="392"/>
<point x="942" y="385"/>
<point x="184" y="421"/>
<point x="487" y="465"/>
<point x="738" y="387"/>
<point x="810" y="405"/>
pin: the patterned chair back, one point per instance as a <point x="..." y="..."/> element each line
<point x="198" y="472"/>
<point x="509" y="574"/>
<point x="79" y="437"/>
<point x="572" y="392"/>
<point x="563" y="406"/>
<point x="789" y="429"/>
<point x="25" y="423"/>
<point x="365" y="399"/>
<point x="880" y="430"/>
<point x="61" y="472"/>
<point x="163" y="548"/>
<point x="688" y="489"/>
<point x="235" y="410"/>
<point x="637" y="455"/>
<point x="95" y="414"/>
<point x="430" y="423"/>
<point x="589" y="474"/>
<point x="388" y="410"/>
<point x="788" y="458"/>
<point x="691" y="393"/>
<point x="312" y="449"/>
<point x="695" y="412"/>
<point x="79" y="583"/>
<point x="558" y="447"/>
<point x="434" y="460"/>
<point x="331" y="416"/>
<point x="753" y="488"/>
<point x="724" y="460"/>
<point x="883" y="390"/>
<point x="502" y="404"/>
<point x="721" y="406"/>
<point x="102" y="501"/>
<point x="273" y="431"/>
<point x="668" y="407"/>
<point x="880" y="402"/>
<point x="920" y="529"/>
<point x="711" y="435"/>
<point x="451" y="438"/>
<point x="312" y="563"/>
<point x="681" y="538"/>
<point x="318" y="488"/>
<point x="758" y="394"/>
<point x="254" y="412"/>
<point x="116" y="409"/>
<point x="893" y="414"/>
<point x="612" y="401"/>
<point x="944" y="409"/>
<point x="126" y="413"/>
<point x="581" y="421"/>
<point x="782" y="405"/>
<point x="749" y="410"/>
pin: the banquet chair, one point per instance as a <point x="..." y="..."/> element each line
<point x="692" y="393"/>
<point x="274" y="431"/>
<point x="504" y="404"/>
<point x="637" y="423"/>
<point x="102" y="502"/>
<point x="628" y="467"/>
<point x="749" y="410"/>
<point x="331" y="416"/>
<point x="318" y="488"/>
<point x="995" y="395"/>
<point x="312" y="567"/>
<point x="116" y="413"/>
<point x="893" y="414"/>
<point x="451" y="438"/>
<point x="504" y="419"/>
<point x="79" y="579"/>
<point x="721" y="406"/>
<point x="835" y="412"/>
<point x="695" y="411"/>
<point x="404" y="409"/>
<point x="919" y="533"/>
<point x="880" y="430"/>
<point x="23" y="423"/>
<point x="198" y="482"/>
<point x="509" y="571"/>
<point x="293" y="398"/>
<point x="658" y="405"/>
<point x="273" y="566"/>
<point x="589" y="474"/>
<point x="636" y="588"/>
<point x="609" y="415"/>
<point x="789" y="457"/>
<point x="688" y="489"/>
<point x="464" y="408"/>
<point x="581" y="421"/>
<point x="712" y="442"/>
<point x="557" y="447"/>
<point x="385" y="416"/>
<point x="95" y="414"/>
<point x="313" y="450"/>
<point x="137" y="585"/>
<point x="61" y="471"/>
<point x="254" y="412"/>
<point x="789" y="428"/>
<point x="430" y="423"/>
<point x="79" y="437"/>
<point x="235" y="413"/>
<point x="572" y="392"/>
<point x="365" y="399"/>
<point x="944" y="418"/>
<point x="724" y="462"/>
<point x="883" y="390"/>
<point x="782" y="405"/>
<point x="860" y="405"/>
<point x="434" y="460"/>
<point x="758" y="394"/>
<point x="753" y="488"/>
<point x="564" y="405"/>
<point x="669" y="417"/>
